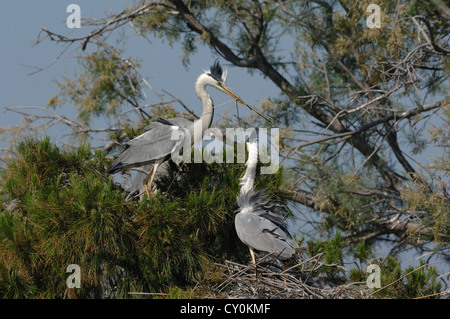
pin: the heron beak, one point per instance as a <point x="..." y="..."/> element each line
<point x="230" y="92"/>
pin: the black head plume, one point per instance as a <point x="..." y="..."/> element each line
<point x="216" y="72"/>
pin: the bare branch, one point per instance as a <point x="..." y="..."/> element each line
<point x="398" y="115"/>
<point x="39" y="69"/>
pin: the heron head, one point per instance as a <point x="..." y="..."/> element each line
<point x="218" y="80"/>
<point x="216" y="77"/>
<point x="217" y="72"/>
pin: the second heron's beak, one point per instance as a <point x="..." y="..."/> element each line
<point x="230" y="92"/>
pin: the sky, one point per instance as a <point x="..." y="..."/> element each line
<point x="21" y="22"/>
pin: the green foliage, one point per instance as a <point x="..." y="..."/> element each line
<point x="434" y="202"/>
<point x="170" y="252"/>
<point x="333" y="250"/>
<point x="64" y="211"/>
<point x="102" y="86"/>
<point x="409" y="283"/>
<point x="59" y="208"/>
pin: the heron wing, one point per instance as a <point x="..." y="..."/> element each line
<point x="181" y="122"/>
<point x="262" y="234"/>
<point x="259" y="204"/>
<point x="156" y="144"/>
<point x="277" y="220"/>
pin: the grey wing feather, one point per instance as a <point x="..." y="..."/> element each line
<point x="261" y="205"/>
<point x="181" y="122"/>
<point x="261" y="225"/>
<point x="153" y="145"/>
<point x="280" y="222"/>
<point x="263" y="235"/>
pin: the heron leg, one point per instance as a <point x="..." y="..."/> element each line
<point x="252" y="253"/>
<point x="146" y="190"/>
<point x="148" y="185"/>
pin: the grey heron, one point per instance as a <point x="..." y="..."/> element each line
<point x="157" y="144"/>
<point x="260" y="222"/>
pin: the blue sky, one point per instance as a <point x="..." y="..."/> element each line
<point x="21" y="21"/>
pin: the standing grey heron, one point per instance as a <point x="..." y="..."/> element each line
<point x="260" y="223"/>
<point x="157" y="144"/>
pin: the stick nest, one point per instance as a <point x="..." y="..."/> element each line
<point x="267" y="280"/>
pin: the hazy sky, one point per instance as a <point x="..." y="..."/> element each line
<point x="21" y="21"/>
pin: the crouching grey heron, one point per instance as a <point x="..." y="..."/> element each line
<point x="157" y="144"/>
<point x="260" y="222"/>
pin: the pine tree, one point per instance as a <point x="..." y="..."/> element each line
<point x="61" y="208"/>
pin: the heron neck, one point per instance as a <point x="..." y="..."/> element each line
<point x="208" y="109"/>
<point x="248" y="180"/>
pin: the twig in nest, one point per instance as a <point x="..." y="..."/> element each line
<point x="273" y="282"/>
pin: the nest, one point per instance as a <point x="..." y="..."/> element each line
<point x="268" y="280"/>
